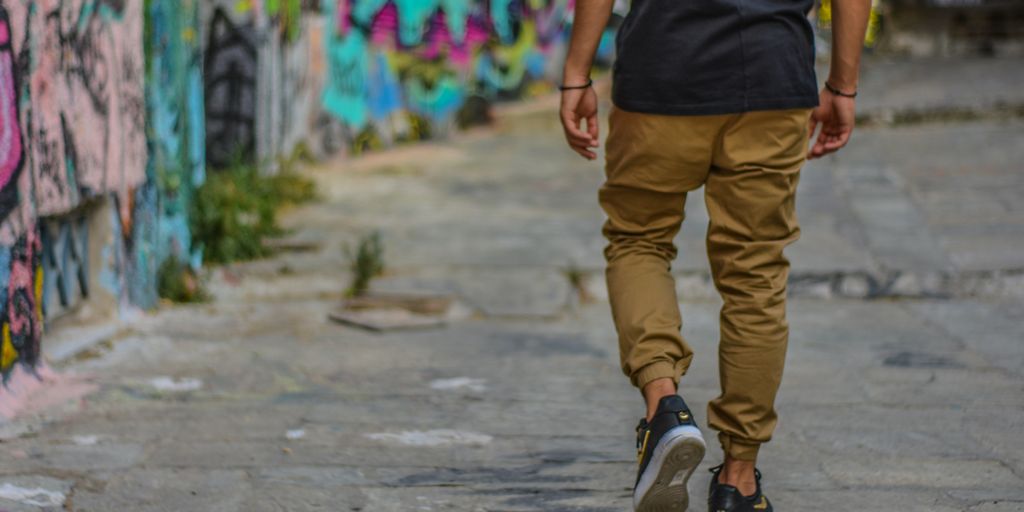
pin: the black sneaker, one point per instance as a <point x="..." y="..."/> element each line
<point x="726" y="498"/>
<point x="670" y="444"/>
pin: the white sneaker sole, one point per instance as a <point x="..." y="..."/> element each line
<point x="680" y="451"/>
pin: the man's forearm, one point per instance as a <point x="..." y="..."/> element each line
<point x="589" y="24"/>
<point x="849" y="23"/>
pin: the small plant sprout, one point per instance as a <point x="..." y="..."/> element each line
<point x="178" y="282"/>
<point x="366" y="263"/>
<point x="577" y="280"/>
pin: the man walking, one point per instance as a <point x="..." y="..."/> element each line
<point x="720" y="94"/>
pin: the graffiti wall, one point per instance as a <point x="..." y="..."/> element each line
<point x="360" y="74"/>
<point x="73" y="129"/>
<point x="405" y="69"/>
<point x="100" y="104"/>
<point x="112" y="110"/>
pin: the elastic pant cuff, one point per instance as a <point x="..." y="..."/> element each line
<point x="739" y="449"/>
<point x="657" y="370"/>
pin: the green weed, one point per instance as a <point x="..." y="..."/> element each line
<point x="236" y="209"/>
<point x="177" y="282"/>
<point x="577" y="278"/>
<point x="366" y="262"/>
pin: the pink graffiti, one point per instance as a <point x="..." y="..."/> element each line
<point x="343" y="23"/>
<point x="23" y="312"/>
<point x="10" y="131"/>
<point x="53" y="191"/>
<point x="384" y="31"/>
<point x="437" y="41"/>
<point x="33" y="391"/>
<point x="107" y="117"/>
<point x="85" y="130"/>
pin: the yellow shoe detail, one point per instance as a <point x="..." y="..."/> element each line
<point x="761" y="505"/>
<point x="643" y="447"/>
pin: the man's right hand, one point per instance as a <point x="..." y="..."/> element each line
<point x="836" y="116"/>
<point x="579" y="105"/>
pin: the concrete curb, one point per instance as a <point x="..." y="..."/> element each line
<point x="859" y="285"/>
<point x="889" y="117"/>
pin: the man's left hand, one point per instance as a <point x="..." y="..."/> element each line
<point x="835" y="116"/>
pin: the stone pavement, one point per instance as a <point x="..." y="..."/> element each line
<point x="910" y="400"/>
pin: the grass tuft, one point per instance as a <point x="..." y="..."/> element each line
<point x="366" y="263"/>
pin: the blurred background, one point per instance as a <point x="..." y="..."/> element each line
<point x="334" y="255"/>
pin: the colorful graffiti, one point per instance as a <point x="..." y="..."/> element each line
<point x="19" y="322"/>
<point x="20" y="302"/>
<point x="73" y="110"/>
<point x="284" y="73"/>
<point x="422" y="59"/>
<point x="10" y="132"/>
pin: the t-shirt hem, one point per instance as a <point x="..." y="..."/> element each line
<point x="717" y="108"/>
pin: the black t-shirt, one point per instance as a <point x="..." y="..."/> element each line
<point x="700" y="57"/>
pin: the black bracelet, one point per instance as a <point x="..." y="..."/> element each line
<point x="571" y="87"/>
<point x="837" y="92"/>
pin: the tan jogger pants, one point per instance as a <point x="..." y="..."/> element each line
<point x="749" y="165"/>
